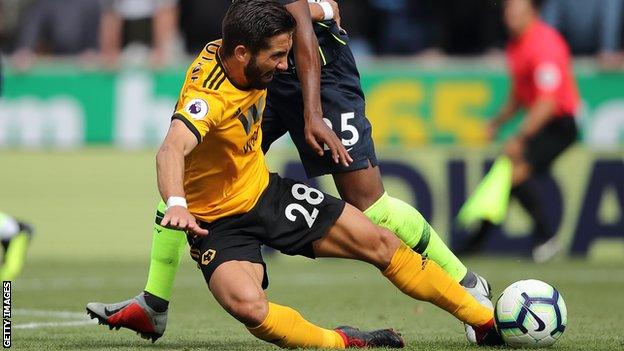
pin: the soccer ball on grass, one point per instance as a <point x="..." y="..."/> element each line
<point x="530" y="313"/>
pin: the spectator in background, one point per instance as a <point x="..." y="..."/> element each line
<point x="10" y="13"/>
<point x="59" y="27"/>
<point x="590" y="27"/>
<point x="397" y="33"/>
<point x="469" y="27"/>
<point x="200" y="22"/>
<point x="358" y="19"/>
<point x="148" y="22"/>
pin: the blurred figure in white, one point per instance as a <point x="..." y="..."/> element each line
<point x="148" y="22"/>
<point x="590" y="27"/>
<point x="59" y="27"/>
<point x="15" y="236"/>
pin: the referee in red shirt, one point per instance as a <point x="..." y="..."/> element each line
<point x="542" y="85"/>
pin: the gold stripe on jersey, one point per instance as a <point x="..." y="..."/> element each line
<point x="226" y="173"/>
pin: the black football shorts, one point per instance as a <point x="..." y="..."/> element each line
<point x="550" y="142"/>
<point x="289" y="217"/>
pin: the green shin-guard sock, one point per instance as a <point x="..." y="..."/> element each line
<point x="412" y="228"/>
<point x="15" y="257"/>
<point x="490" y="198"/>
<point x="167" y="245"/>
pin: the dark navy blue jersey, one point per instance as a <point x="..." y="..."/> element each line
<point x="329" y="37"/>
<point x="344" y="109"/>
<point x="331" y="40"/>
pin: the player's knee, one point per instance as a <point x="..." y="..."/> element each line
<point x="386" y="245"/>
<point x="250" y="308"/>
<point x="360" y="200"/>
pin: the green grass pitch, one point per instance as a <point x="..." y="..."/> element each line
<point x="93" y="211"/>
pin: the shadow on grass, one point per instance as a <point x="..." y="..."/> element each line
<point x="226" y="345"/>
<point x="171" y="345"/>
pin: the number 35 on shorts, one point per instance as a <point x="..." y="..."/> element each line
<point x="345" y="127"/>
<point x="310" y="195"/>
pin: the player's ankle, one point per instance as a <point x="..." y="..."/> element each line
<point x="469" y="280"/>
<point x="156" y="303"/>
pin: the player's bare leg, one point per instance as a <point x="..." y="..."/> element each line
<point x="355" y="237"/>
<point x="245" y="300"/>
<point x="360" y="188"/>
<point x="364" y="190"/>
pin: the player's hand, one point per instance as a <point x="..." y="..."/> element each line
<point x="492" y="129"/>
<point x="317" y="134"/>
<point x="178" y="217"/>
<point x="515" y="147"/>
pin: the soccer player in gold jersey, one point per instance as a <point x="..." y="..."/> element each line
<point x="211" y="171"/>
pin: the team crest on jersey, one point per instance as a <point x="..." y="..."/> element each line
<point x="197" y="108"/>
<point x="208" y="256"/>
<point x="548" y="76"/>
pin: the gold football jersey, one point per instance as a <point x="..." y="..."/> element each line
<point x="226" y="173"/>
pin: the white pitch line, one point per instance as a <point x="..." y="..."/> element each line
<point x="54" y="324"/>
<point x="82" y="318"/>
<point x="49" y="313"/>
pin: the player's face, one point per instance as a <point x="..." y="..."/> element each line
<point x="262" y="66"/>
<point x="517" y="15"/>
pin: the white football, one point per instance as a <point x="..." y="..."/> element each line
<point x="530" y="313"/>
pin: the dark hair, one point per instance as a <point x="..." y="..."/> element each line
<point x="252" y="22"/>
<point x="537" y="4"/>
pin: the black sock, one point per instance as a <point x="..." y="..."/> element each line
<point x="5" y="247"/>
<point x="527" y="194"/>
<point x="155" y="302"/>
<point x="469" y="280"/>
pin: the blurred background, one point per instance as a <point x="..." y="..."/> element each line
<point x="88" y="88"/>
<point x="105" y="74"/>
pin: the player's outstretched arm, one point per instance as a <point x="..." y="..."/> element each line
<point x="306" y="51"/>
<point x="179" y="142"/>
